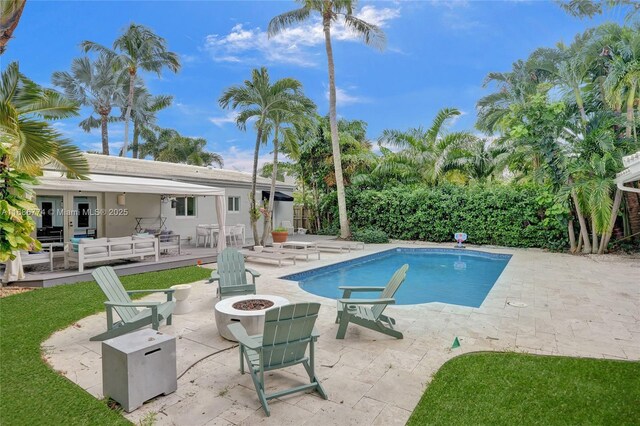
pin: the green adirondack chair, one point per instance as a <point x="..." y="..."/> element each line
<point x="288" y="331"/>
<point x="232" y="274"/>
<point x="130" y="317"/>
<point x="368" y="312"/>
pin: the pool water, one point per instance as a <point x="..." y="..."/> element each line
<point x="456" y="276"/>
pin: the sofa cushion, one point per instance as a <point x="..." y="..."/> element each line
<point x="121" y="247"/>
<point x="93" y="241"/>
<point x="95" y="251"/>
<point x="120" y="240"/>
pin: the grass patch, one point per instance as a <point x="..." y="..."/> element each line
<point x="31" y="392"/>
<point x="512" y="389"/>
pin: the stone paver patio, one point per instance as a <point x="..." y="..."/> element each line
<point x="576" y="306"/>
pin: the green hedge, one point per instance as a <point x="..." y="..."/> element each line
<point x="506" y="215"/>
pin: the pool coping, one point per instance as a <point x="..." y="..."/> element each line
<point x="334" y="266"/>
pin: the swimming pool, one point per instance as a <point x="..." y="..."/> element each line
<point x="455" y="276"/>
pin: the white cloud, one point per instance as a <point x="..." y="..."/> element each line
<point x="344" y="98"/>
<point x="242" y="159"/>
<point x="229" y="117"/>
<point x="293" y="45"/>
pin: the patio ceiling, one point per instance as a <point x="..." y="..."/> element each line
<point x="123" y="184"/>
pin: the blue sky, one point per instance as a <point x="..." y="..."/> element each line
<point x="437" y="55"/>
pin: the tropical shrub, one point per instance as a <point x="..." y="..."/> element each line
<point x="506" y="215"/>
<point x="370" y="236"/>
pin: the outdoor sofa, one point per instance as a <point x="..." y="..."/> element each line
<point x="102" y="250"/>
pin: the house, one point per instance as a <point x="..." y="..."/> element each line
<point x="126" y="195"/>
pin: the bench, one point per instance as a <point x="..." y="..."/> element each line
<point x="100" y="250"/>
<point x="270" y="256"/>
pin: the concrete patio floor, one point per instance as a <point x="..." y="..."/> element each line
<point x="575" y="306"/>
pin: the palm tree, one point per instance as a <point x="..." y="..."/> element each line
<point x="93" y="84"/>
<point x="569" y="66"/>
<point x="138" y="48"/>
<point x="480" y="160"/>
<point x="513" y="87"/>
<point x="10" y="13"/>
<point x="424" y="155"/>
<point x="622" y="84"/>
<point x="186" y="150"/>
<point x="257" y="99"/>
<point x="143" y="113"/>
<point x="27" y="142"/>
<point x="281" y="123"/>
<point x="25" y="108"/>
<point x="155" y="140"/>
<point x="331" y="11"/>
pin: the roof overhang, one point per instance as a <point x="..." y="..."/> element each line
<point x="54" y="181"/>
<point x="277" y="196"/>
<point x="630" y="174"/>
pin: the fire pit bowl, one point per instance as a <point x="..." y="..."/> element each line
<point x="248" y="310"/>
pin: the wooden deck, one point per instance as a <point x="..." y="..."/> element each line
<point x="42" y="277"/>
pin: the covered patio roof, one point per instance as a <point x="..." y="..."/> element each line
<point x="630" y="174"/>
<point x="110" y="183"/>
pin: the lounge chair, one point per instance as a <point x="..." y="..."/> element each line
<point x="356" y="311"/>
<point x="279" y="257"/>
<point x="339" y="245"/>
<point x="288" y="331"/>
<point x="232" y="274"/>
<point x="306" y="251"/>
<point x="130" y="317"/>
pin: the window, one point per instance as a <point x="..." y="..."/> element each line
<point x="186" y="206"/>
<point x="233" y="204"/>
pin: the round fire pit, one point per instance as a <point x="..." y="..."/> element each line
<point x="248" y="310"/>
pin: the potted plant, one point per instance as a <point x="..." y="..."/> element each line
<point x="279" y="235"/>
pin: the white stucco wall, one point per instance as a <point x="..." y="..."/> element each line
<point x="114" y="223"/>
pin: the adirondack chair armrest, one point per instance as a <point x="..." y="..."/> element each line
<point x="347" y="290"/>
<point x="240" y="333"/>
<point x="214" y="277"/>
<point x="359" y="288"/>
<point x="253" y="272"/>
<point x="133" y="304"/>
<point x="315" y="334"/>
<point x="165" y="291"/>
<point x="388" y="301"/>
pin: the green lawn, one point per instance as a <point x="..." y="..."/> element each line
<point x="30" y="392"/>
<point x="520" y="389"/>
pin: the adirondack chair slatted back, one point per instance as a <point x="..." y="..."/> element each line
<point x="287" y="333"/>
<point x="231" y="268"/>
<point x="391" y="289"/>
<point x="111" y="286"/>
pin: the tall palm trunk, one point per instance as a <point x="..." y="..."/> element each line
<point x="127" y="114"/>
<point x="583" y="223"/>
<point x="253" y="208"/>
<point x="630" y="119"/>
<point x="134" y="144"/>
<point x="268" y="219"/>
<point x="572" y="236"/>
<point x="633" y="206"/>
<point x="105" y="133"/>
<point x="333" y="124"/>
<point x="11" y="22"/>
<point x="612" y="222"/>
<point x="580" y="104"/>
<point x="594" y="235"/>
